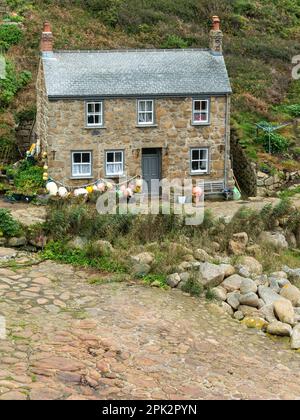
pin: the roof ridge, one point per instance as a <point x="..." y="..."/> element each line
<point x="128" y="50"/>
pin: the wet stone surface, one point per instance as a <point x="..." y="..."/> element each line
<point x="68" y="339"/>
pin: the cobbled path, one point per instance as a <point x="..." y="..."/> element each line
<point x="68" y="339"/>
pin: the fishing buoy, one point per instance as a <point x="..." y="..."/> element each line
<point x="62" y="192"/>
<point x="80" y="191"/>
<point x="52" y="188"/>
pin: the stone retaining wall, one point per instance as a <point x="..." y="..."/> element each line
<point x="244" y="170"/>
<point x="268" y="184"/>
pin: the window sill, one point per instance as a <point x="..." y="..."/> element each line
<point x="74" y="178"/>
<point x="114" y="176"/>
<point x="200" y="124"/>
<point x="147" y="126"/>
<point x="96" y="127"/>
<point x="199" y="173"/>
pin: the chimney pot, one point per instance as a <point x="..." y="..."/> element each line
<point x="216" y="37"/>
<point x="47" y="40"/>
<point x="216" y="23"/>
<point x="47" y="27"/>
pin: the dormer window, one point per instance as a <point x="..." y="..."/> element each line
<point x="201" y="111"/>
<point x="146" y="112"/>
<point x="94" y="114"/>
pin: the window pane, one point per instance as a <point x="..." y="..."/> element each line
<point x="142" y="106"/>
<point x="91" y="108"/>
<point x="195" y="154"/>
<point x="203" y="117"/>
<point x="98" y="108"/>
<point x="204" y="105"/>
<point x="142" y="118"/>
<point x="118" y="157"/>
<point x="91" y="119"/>
<point x="149" y="106"/>
<point x="97" y="119"/>
<point x="197" y="106"/>
<point x="86" y="157"/>
<point x="203" y="154"/>
<point x="195" y="166"/>
<point x="110" y="157"/>
<point x="77" y="157"/>
<point x="203" y="165"/>
<point x="149" y="117"/>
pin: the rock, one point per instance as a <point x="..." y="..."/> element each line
<point x="173" y="280"/>
<point x="248" y="310"/>
<point x="267" y="312"/>
<point x="280" y="329"/>
<point x="143" y="258"/>
<point x="292" y="293"/>
<point x="284" y="311"/>
<point x="283" y="282"/>
<point x="242" y="271"/>
<point x="228" y="270"/>
<point x="227" y="308"/>
<point x="279" y="275"/>
<point x="291" y="239"/>
<point x="210" y="275"/>
<point x="3" y="242"/>
<point x="184" y="278"/>
<point x="7" y="253"/>
<point x="268" y="295"/>
<point x="141" y="270"/>
<point x="261" y="303"/>
<point x="295" y="342"/>
<point x="293" y="275"/>
<point x="273" y="284"/>
<point x="232" y="283"/>
<point x="17" y="242"/>
<point x="237" y="245"/>
<point x="220" y="293"/>
<point x="255" y="322"/>
<point x="156" y="283"/>
<point x="250" y="299"/>
<point x="233" y="299"/>
<point x="202" y="255"/>
<point x="216" y="246"/>
<point x="39" y="242"/>
<point x="262" y="280"/>
<point x="239" y="315"/>
<point x="248" y="286"/>
<point x="252" y="265"/>
<point x="275" y="239"/>
<point x="105" y="247"/>
<point x="184" y="266"/>
<point x="254" y="250"/>
<point x="77" y="243"/>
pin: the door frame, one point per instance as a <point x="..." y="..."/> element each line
<point x="155" y="152"/>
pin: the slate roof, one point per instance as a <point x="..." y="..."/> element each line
<point x="135" y="73"/>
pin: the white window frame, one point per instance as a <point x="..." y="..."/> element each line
<point x="90" y="164"/>
<point x="140" y="112"/>
<point x="199" y="171"/>
<point x="207" y="112"/>
<point x="94" y="113"/>
<point x="120" y="173"/>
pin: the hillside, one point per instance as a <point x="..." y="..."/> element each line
<point x="261" y="37"/>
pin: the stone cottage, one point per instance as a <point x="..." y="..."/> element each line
<point x="154" y="113"/>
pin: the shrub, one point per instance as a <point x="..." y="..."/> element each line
<point x="175" y="41"/>
<point x="10" y="35"/>
<point x="12" y="83"/>
<point x="8" y="225"/>
<point x="193" y="287"/>
<point x="278" y="143"/>
<point x="29" y="178"/>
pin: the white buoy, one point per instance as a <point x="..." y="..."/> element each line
<point x="62" y="192"/>
<point x="52" y="188"/>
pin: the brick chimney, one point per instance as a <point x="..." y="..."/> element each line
<point x="47" y="40"/>
<point x="216" y="37"/>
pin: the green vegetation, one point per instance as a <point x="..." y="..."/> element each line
<point x="13" y="82"/>
<point x="9" y="227"/>
<point x="193" y="287"/>
<point x="28" y="178"/>
<point x="61" y="252"/>
<point x="9" y="35"/>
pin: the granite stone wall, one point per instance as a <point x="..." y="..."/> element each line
<point x="61" y="128"/>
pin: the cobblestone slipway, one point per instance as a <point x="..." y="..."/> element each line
<point x="68" y="339"/>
